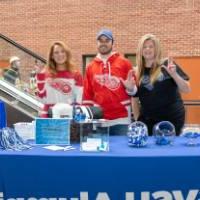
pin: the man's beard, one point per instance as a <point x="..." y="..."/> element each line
<point x="105" y="52"/>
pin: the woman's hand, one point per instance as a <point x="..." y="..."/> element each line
<point x="171" y="67"/>
<point x="183" y="85"/>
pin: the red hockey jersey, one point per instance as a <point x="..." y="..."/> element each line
<point x="103" y="87"/>
<point x="64" y="87"/>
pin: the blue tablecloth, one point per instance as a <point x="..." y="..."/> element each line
<point x="123" y="173"/>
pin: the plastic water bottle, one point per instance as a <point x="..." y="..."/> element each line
<point x="3" y="121"/>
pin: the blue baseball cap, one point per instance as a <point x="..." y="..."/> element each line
<point x="105" y="32"/>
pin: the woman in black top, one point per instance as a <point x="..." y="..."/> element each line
<point x="159" y="85"/>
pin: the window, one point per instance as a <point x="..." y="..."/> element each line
<point x="131" y="58"/>
<point x="86" y="60"/>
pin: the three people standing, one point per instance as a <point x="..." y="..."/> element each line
<point x="110" y="83"/>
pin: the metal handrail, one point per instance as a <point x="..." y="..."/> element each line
<point x="19" y="46"/>
<point x="20" y="95"/>
<point x="192" y="103"/>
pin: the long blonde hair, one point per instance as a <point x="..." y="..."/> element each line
<point x="51" y="64"/>
<point x="155" y="70"/>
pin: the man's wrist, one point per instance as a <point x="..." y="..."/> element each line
<point x="131" y="92"/>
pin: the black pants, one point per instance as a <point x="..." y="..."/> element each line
<point x="178" y="122"/>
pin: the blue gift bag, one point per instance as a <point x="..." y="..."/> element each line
<point x="3" y="121"/>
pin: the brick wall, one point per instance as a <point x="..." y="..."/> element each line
<point x="35" y="24"/>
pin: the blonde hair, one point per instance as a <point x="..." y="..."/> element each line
<point x="155" y="70"/>
<point x="51" y="64"/>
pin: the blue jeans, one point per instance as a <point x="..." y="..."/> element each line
<point x="120" y="129"/>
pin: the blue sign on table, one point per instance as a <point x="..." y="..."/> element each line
<point x="52" y="131"/>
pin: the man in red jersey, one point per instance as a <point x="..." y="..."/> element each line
<point x="109" y="82"/>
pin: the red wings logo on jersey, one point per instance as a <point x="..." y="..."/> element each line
<point x="112" y="82"/>
<point x="62" y="86"/>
